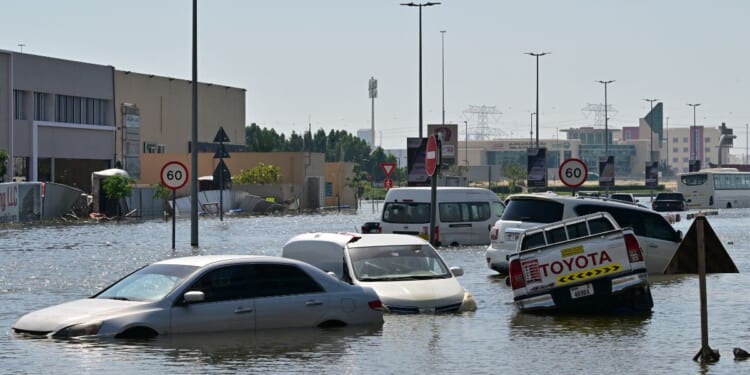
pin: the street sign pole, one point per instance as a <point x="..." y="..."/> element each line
<point x="174" y="210"/>
<point x="432" y="164"/>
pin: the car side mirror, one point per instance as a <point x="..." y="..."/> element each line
<point x="194" y="296"/>
<point x="678" y="236"/>
<point x="457" y="271"/>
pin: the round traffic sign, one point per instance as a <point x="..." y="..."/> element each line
<point x="573" y="173"/>
<point x="174" y="175"/>
<point x="430" y="157"/>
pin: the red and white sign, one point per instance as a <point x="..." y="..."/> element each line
<point x="387" y="168"/>
<point x="387" y="183"/>
<point x="430" y="157"/>
<point x="174" y="175"/>
<point x="573" y="173"/>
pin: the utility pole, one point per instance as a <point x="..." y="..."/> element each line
<point x="693" y="140"/>
<point x="537" y="91"/>
<point x="606" y="119"/>
<point x="442" y="54"/>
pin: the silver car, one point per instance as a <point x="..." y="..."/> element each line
<point x="210" y="294"/>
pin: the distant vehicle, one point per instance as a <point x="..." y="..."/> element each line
<point x="715" y="188"/>
<point x="623" y="197"/>
<point x="464" y="216"/>
<point x="592" y="177"/>
<point x="664" y="202"/>
<point x="210" y="294"/>
<point x="524" y="211"/>
<point x="582" y="264"/>
<point x="406" y="271"/>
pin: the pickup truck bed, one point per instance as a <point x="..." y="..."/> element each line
<point x="583" y="264"/>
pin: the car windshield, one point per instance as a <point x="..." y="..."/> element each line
<point x="401" y="262"/>
<point x="150" y="283"/>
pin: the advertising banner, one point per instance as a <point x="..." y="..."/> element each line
<point x="607" y="171"/>
<point x="652" y="174"/>
<point x="536" y="168"/>
<point x="415" y="159"/>
<point x="449" y="147"/>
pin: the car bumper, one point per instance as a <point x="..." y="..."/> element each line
<point x="626" y="294"/>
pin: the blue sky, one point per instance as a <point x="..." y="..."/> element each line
<point x="309" y="61"/>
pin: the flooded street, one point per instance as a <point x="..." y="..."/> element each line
<point x="46" y="265"/>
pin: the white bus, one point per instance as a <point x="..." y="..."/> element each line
<point x="715" y="188"/>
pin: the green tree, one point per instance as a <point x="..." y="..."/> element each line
<point x="515" y="175"/>
<point x="262" y="174"/>
<point x="3" y="164"/>
<point x="117" y="187"/>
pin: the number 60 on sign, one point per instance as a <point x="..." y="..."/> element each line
<point x="174" y="175"/>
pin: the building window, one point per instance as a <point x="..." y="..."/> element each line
<point x="708" y="149"/>
<point x="675" y="140"/>
<point x="675" y="160"/>
<point x="685" y="160"/>
<point x="40" y="106"/>
<point x="78" y="110"/>
<point x="675" y="150"/>
<point x="685" y="149"/>
<point x="18" y="105"/>
<point x="708" y="139"/>
<point x="684" y="139"/>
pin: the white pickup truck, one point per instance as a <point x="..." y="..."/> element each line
<point x="583" y="264"/>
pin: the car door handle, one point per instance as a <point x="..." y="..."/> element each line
<point x="243" y="310"/>
<point x="313" y="302"/>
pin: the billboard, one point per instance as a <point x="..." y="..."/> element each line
<point x="652" y="174"/>
<point x="536" y="167"/>
<point x="449" y="147"/>
<point x="415" y="162"/>
<point x="607" y="171"/>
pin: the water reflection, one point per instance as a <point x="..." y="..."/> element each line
<point x="539" y="325"/>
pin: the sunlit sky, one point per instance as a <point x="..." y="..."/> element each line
<point x="308" y="62"/>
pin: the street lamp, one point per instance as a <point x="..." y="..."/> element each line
<point x="667" y="161"/>
<point x="537" y="91"/>
<point x="651" y="129"/>
<point x="531" y="130"/>
<point x="693" y="140"/>
<point x="606" y="119"/>
<point x="442" y="57"/>
<point x="420" y="5"/>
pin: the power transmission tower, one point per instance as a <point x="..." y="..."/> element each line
<point x="598" y="111"/>
<point x="480" y="117"/>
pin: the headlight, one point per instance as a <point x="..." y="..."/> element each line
<point x="83" y="329"/>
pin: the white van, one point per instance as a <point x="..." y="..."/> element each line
<point x="465" y="215"/>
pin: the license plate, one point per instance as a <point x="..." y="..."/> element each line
<point x="581" y="291"/>
<point x="512" y="236"/>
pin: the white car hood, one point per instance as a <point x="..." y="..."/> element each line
<point x="419" y="293"/>
<point x="53" y="318"/>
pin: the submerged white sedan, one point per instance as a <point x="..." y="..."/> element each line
<point x="210" y="294"/>
<point x="406" y="271"/>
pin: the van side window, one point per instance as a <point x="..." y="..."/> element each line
<point x="406" y="212"/>
<point x="464" y="211"/>
<point x="450" y="212"/>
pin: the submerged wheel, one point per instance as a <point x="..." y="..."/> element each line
<point x="137" y="333"/>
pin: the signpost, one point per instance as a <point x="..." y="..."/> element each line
<point x="221" y="168"/>
<point x="174" y="175"/>
<point x="387" y="169"/>
<point x="431" y="161"/>
<point x="573" y="173"/>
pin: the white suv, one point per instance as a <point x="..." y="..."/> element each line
<point x="657" y="237"/>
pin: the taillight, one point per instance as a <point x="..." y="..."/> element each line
<point x="516" y="275"/>
<point x="493" y="234"/>
<point x="376" y="305"/>
<point x="634" y="248"/>
<point x="437" y="233"/>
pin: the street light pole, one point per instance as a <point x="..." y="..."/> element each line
<point x="606" y="119"/>
<point x="466" y="143"/>
<point x="537" y="91"/>
<point x="693" y="140"/>
<point x="442" y="57"/>
<point x="651" y="130"/>
<point x="531" y="130"/>
<point x="666" y="164"/>
<point x="420" y="5"/>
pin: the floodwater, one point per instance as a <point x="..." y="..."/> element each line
<point x="46" y="265"/>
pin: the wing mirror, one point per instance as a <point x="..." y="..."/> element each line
<point x="457" y="271"/>
<point x="678" y="236"/>
<point x="194" y="296"/>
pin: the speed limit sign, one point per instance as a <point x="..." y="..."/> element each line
<point x="573" y="173"/>
<point x="174" y="175"/>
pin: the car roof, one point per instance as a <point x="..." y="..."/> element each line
<point x="204" y="260"/>
<point x="570" y="201"/>
<point x="344" y="239"/>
